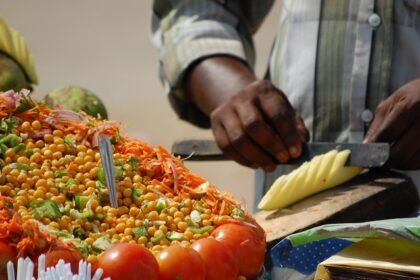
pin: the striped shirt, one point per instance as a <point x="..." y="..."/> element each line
<point x="336" y="60"/>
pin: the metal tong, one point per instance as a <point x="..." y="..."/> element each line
<point x="105" y="149"/>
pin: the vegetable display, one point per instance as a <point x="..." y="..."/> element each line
<point x="54" y="195"/>
<point x="321" y="173"/>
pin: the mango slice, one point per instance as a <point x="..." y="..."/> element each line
<point x="321" y="173"/>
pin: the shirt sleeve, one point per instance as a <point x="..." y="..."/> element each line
<point x="187" y="31"/>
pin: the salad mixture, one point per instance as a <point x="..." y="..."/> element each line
<point x="54" y="199"/>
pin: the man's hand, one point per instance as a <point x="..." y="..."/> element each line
<point x="258" y="127"/>
<point x="252" y="121"/>
<point x="397" y="121"/>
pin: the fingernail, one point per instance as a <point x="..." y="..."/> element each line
<point x="269" y="168"/>
<point x="294" y="151"/>
<point x="282" y="157"/>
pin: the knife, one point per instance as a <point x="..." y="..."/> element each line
<point x="364" y="155"/>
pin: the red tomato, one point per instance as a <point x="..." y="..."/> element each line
<point x="218" y="259"/>
<point x="247" y="245"/>
<point x="128" y="261"/>
<point x="177" y="262"/>
<point x="7" y="254"/>
<point x="66" y="253"/>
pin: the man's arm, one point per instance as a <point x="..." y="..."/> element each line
<point x="205" y="56"/>
<point x="397" y="121"/>
<point x="252" y="121"/>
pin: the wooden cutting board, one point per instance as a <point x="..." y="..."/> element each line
<point x="370" y="196"/>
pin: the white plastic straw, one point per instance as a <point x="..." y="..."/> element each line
<point x="98" y="274"/>
<point x="29" y="270"/>
<point x="41" y="266"/>
<point x="10" y="271"/>
<point x="20" y="267"/>
<point x="62" y="271"/>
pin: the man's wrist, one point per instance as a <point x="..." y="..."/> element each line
<point x="214" y="80"/>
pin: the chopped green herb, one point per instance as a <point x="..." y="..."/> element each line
<point x="67" y="184"/>
<point x="195" y="216"/>
<point x="7" y="125"/>
<point x="11" y="140"/>
<point x="202" y="230"/>
<point x="140" y="231"/>
<point x="115" y="138"/>
<point x="99" y="185"/>
<point x="173" y="235"/>
<point x="29" y="153"/>
<point x="119" y="172"/>
<point x="134" y="162"/>
<point x="136" y="193"/>
<point x="70" y="141"/>
<point x="45" y="209"/>
<point x="79" y="233"/>
<point x="237" y="213"/>
<point x="199" y="206"/>
<point x="63" y="234"/>
<point x="19" y="147"/>
<point x="160" y="204"/>
<point x="80" y="201"/>
<point x="100" y="216"/>
<point x="101" y="175"/>
<point x="60" y="172"/>
<point x="82" y="247"/>
<point x="19" y="166"/>
<point x="80" y="215"/>
<point x="102" y="243"/>
<point x="157" y="238"/>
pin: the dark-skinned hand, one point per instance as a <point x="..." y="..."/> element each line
<point x="258" y="127"/>
<point x="252" y="121"/>
<point x="397" y="121"/>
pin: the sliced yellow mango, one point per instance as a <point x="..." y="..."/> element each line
<point x="321" y="173"/>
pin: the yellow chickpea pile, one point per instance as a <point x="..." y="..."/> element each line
<point x="58" y="171"/>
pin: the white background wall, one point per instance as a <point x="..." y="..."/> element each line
<point x="104" y="45"/>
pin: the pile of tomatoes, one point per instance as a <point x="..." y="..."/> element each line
<point x="233" y="250"/>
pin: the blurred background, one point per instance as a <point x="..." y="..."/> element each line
<point x="105" y="46"/>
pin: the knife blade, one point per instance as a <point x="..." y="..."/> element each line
<point x="364" y="155"/>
